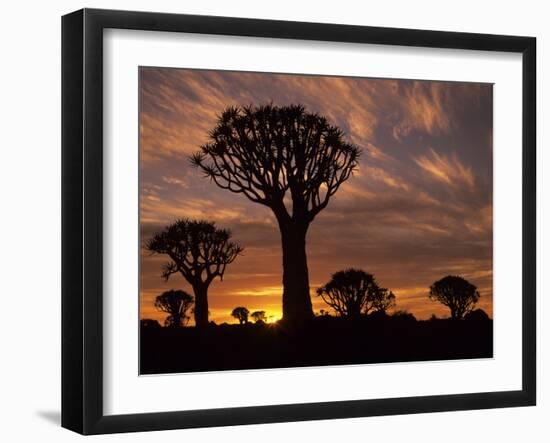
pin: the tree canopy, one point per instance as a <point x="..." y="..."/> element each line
<point x="241" y="314"/>
<point x="259" y="316"/>
<point x="457" y="293"/>
<point x="175" y="303"/>
<point x="197" y="249"/>
<point x="352" y="292"/>
<point x="266" y="151"/>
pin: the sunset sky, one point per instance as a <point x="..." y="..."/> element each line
<point x="418" y="208"/>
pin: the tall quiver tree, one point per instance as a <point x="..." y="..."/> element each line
<point x="200" y="252"/>
<point x="289" y="160"/>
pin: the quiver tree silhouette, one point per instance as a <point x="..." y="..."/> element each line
<point x="353" y="292"/>
<point x="458" y="294"/>
<point x="259" y="316"/>
<point x="175" y="303"/>
<point x="279" y="156"/>
<point x="200" y="252"/>
<point x="241" y="314"/>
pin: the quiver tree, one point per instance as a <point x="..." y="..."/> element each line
<point x="458" y="294"/>
<point x="198" y="251"/>
<point x="175" y="303"/>
<point x="259" y="316"/>
<point x="353" y="292"/>
<point x="241" y="314"/>
<point x="289" y="160"/>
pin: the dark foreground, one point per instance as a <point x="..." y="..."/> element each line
<point x="325" y="341"/>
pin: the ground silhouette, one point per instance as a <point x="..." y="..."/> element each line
<point x="324" y="340"/>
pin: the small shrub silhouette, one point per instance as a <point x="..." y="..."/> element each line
<point x="403" y="315"/>
<point x="477" y="315"/>
<point x="241" y="314"/>
<point x="259" y="316"/>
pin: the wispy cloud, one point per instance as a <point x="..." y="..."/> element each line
<point x="447" y="169"/>
<point x="425" y="107"/>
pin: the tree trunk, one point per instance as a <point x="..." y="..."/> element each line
<point x="201" y="305"/>
<point x="296" y="298"/>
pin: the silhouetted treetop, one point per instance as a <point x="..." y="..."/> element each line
<point x="353" y="291"/>
<point x="457" y="293"/>
<point x="176" y="303"/>
<point x="197" y="248"/>
<point x="266" y="151"/>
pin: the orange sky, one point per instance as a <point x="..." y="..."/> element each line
<point x="418" y="208"/>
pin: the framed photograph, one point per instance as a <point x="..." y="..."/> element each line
<point x="269" y="221"/>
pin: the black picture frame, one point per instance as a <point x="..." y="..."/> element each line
<point x="82" y="218"/>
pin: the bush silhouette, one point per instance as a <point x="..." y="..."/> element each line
<point x="353" y="292"/>
<point x="259" y="316"/>
<point x="241" y="314"/>
<point x="378" y="315"/>
<point x="458" y="294"/>
<point x="200" y="252"/>
<point x="403" y="315"/>
<point x="149" y="323"/>
<point x="477" y="315"/>
<point x="268" y="153"/>
<point x="175" y="303"/>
